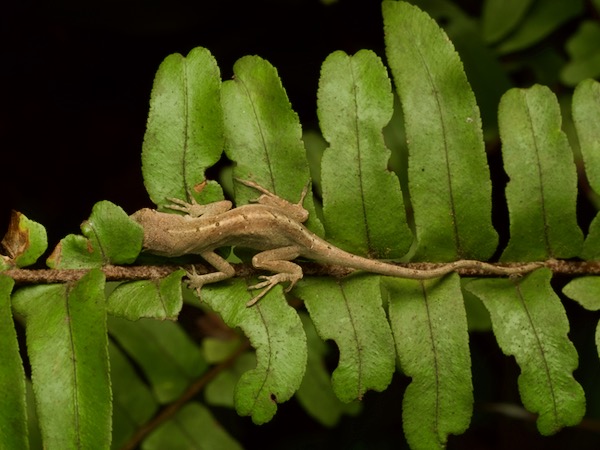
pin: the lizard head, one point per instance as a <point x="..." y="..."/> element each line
<point x="157" y="226"/>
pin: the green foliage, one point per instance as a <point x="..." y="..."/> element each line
<point x="275" y="331"/>
<point x="133" y="401"/>
<point x="73" y="330"/>
<point x="430" y="329"/>
<point x="541" y="200"/>
<point x="586" y="110"/>
<point x="159" y="299"/>
<point x="178" y="147"/>
<point x="109" y="237"/>
<point x="13" y="414"/>
<point x="584" y="53"/>
<point x="192" y="427"/>
<point x="67" y="348"/>
<point x="168" y="357"/>
<point x="316" y="394"/>
<point x="355" y="102"/>
<point x="263" y="135"/>
<point x="359" y="329"/>
<point x="541" y="19"/>
<point x="446" y="151"/>
<point x="500" y="17"/>
<point x="530" y="323"/>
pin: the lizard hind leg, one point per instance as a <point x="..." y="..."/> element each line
<point x="224" y="271"/>
<point x="278" y="261"/>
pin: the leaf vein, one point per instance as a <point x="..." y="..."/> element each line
<point x="434" y="352"/>
<point x="358" y="347"/>
<point x="161" y="297"/>
<point x="359" y="163"/>
<point x="105" y="259"/>
<point x="261" y="134"/>
<point x="542" y="353"/>
<point x="74" y="361"/>
<point x="436" y="96"/>
<point x="269" y="352"/>
<point x="541" y="178"/>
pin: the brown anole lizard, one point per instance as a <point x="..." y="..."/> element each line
<point x="273" y="226"/>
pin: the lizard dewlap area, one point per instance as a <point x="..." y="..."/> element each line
<point x="274" y="227"/>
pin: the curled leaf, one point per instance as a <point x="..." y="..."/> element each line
<point x="25" y="241"/>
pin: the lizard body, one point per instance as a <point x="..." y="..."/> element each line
<point x="273" y="226"/>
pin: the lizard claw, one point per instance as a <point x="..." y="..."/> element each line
<point x="194" y="281"/>
<point x="270" y="282"/>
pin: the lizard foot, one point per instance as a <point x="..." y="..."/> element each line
<point x="195" y="281"/>
<point x="270" y="282"/>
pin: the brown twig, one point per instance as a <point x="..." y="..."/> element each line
<point x="132" y="273"/>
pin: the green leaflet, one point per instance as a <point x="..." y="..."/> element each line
<point x="184" y="134"/>
<point x="219" y="392"/>
<point x="263" y="135"/>
<point x="478" y="317"/>
<point x="449" y="181"/>
<point x="133" y="403"/>
<point x="586" y="117"/>
<point x="111" y="237"/>
<point x="25" y="241"/>
<point x="315" y="393"/>
<point x="486" y="75"/>
<point x="542" y="190"/>
<point x="350" y="312"/>
<point x="193" y="427"/>
<point x="13" y="408"/>
<point x="500" y="17"/>
<point x="168" y="357"/>
<point x="585" y="291"/>
<point x="33" y="425"/>
<point x="430" y="330"/>
<point x="67" y="348"/>
<point x="158" y="298"/>
<point x="530" y="323"/>
<point x="355" y="102"/>
<point x="275" y="331"/>
<point x="544" y="17"/>
<point x="218" y="349"/>
<point x="585" y="54"/>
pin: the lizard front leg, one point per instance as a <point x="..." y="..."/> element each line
<point x="277" y="260"/>
<point x="195" y="209"/>
<point x="224" y="271"/>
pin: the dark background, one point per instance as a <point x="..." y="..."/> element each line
<point x="75" y="79"/>
<point x="76" y="82"/>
